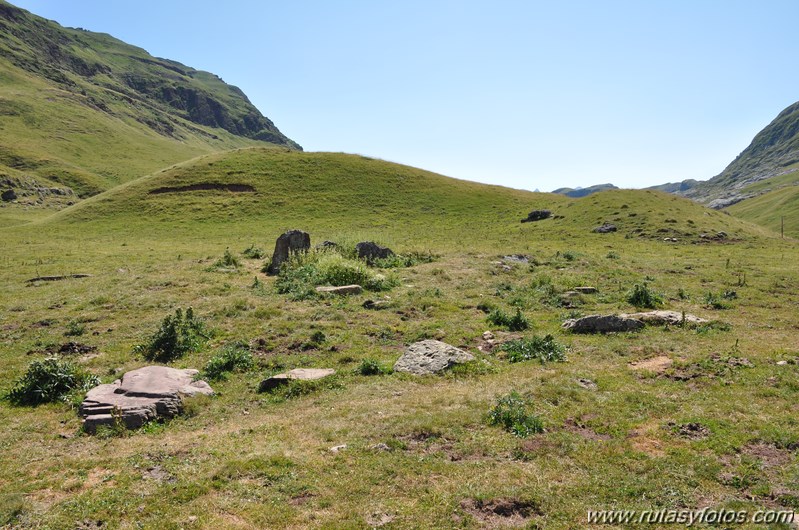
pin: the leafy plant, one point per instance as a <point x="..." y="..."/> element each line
<point x="227" y="262"/>
<point x="253" y="252"/>
<point x="404" y="260"/>
<point x="720" y="300"/>
<point x="512" y="412"/>
<point x="517" y="322"/>
<point x="371" y="367"/>
<point x="75" y="329"/>
<point x="50" y="380"/>
<point x="643" y="297"/>
<point x="177" y="335"/>
<point x="233" y="358"/>
<point x="545" y="349"/>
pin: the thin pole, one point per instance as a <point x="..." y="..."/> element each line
<point x="782" y="226"/>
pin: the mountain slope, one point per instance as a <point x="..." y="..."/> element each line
<point x="773" y="152"/>
<point x="88" y="111"/>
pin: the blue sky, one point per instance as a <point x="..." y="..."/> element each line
<point x="527" y="94"/>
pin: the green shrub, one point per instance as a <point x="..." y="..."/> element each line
<point x="643" y="297"/>
<point x="253" y="252"/>
<point x="50" y="380"/>
<point x="404" y="260"/>
<point x="75" y="329"/>
<point x="517" y="322"/>
<point x="371" y="367"/>
<point x="545" y="349"/>
<point x="227" y="262"/>
<point x="233" y="358"/>
<point x="303" y="272"/>
<point x="720" y="300"/>
<point x="178" y="335"/>
<point x="512" y="412"/>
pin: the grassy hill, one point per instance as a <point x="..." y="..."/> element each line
<point x="87" y="111"/>
<point x="623" y="428"/>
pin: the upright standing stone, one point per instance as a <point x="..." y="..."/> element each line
<point x="370" y="251"/>
<point x="289" y="243"/>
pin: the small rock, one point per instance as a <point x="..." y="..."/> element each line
<point x="370" y="251"/>
<point x="8" y="196"/>
<point x="343" y="289"/>
<point x="430" y="357"/>
<point x="602" y="324"/>
<point x="338" y="448"/>
<point x="291" y="242"/>
<point x="376" y="304"/>
<point x="326" y="245"/>
<point x="298" y="374"/>
<point x="587" y="383"/>
<point x="537" y="215"/>
<point x="517" y="258"/>
<point x="782" y="363"/>
<point x="605" y="228"/>
<point x="487" y="335"/>
<point x="585" y="290"/>
<point x="381" y="447"/>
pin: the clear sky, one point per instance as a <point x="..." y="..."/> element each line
<point x="527" y="94"/>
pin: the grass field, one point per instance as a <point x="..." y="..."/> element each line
<point x="669" y="417"/>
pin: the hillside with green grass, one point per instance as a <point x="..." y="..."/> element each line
<point x="281" y="189"/>
<point x="86" y="111"/>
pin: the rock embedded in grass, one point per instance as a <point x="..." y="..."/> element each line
<point x="537" y="215"/>
<point x="291" y="242"/>
<point x="342" y="290"/>
<point x="605" y="228"/>
<point x="602" y="324"/>
<point x="371" y="251"/>
<point x="298" y="374"/>
<point x="141" y="395"/>
<point x="674" y="318"/>
<point x="430" y="357"/>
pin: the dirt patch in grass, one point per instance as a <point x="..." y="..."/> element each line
<point x="501" y="512"/>
<point x="770" y="456"/>
<point x="302" y="498"/>
<point x="578" y="427"/>
<point x="158" y="474"/>
<point x="657" y="365"/>
<point x="690" y="431"/>
<point x="645" y="440"/>
<point x="205" y="186"/>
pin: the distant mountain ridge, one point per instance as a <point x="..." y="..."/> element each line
<point x="66" y="94"/>
<point x="576" y="193"/>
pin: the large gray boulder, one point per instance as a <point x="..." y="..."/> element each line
<point x="602" y="324"/>
<point x="370" y="251"/>
<point x="537" y="215"/>
<point x="287" y="244"/>
<point x="430" y="357"/>
<point x="140" y="396"/>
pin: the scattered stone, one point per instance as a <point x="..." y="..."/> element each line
<point x="585" y="290"/>
<point x="605" y="228"/>
<point x="430" y="357"/>
<point x="578" y="427"/>
<point x="376" y="304"/>
<point x="291" y="242"/>
<point x="343" y="289"/>
<point x="381" y="447"/>
<point x="327" y="245"/>
<point x="298" y="374"/>
<point x="487" y="335"/>
<point x="370" y="251"/>
<point x="670" y="239"/>
<point x="657" y="364"/>
<point x="140" y="396"/>
<point x="537" y="215"/>
<point x="602" y="324"/>
<point x="376" y="520"/>
<point x="517" y="258"/>
<point x="673" y="318"/>
<point x="337" y="448"/>
<point x="587" y="383"/>
<point x="782" y="363"/>
<point x="8" y="196"/>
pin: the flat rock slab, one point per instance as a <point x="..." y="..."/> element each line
<point x="140" y="396"/>
<point x="602" y="324"/>
<point x="430" y="357"/>
<point x="585" y="290"/>
<point x="665" y="317"/>
<point x="298" y="374"/>
<point x="343" y="289"/>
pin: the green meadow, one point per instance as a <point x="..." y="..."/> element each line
<point x="670" y="417"/>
